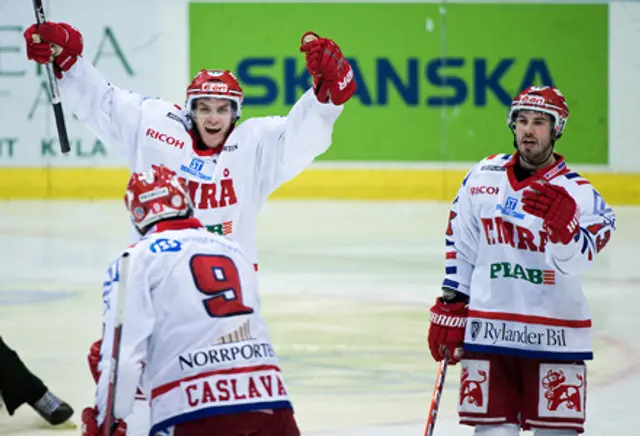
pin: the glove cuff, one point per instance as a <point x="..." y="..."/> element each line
<point x="450" y="296"/>
<point x="321" y="90"/>
<point x="66" y="62"/>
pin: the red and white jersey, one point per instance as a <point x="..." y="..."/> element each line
<point x="192" y="318"/>
<point x="228" y="189"/>
<point x="525" y="291"/>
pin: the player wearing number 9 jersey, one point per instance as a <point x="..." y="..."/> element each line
<point x="192" y="316"/>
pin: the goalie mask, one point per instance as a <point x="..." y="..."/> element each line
<point x="216" y="84"/>
<point x="156" y="195"/>
<point x="545" y="99"/>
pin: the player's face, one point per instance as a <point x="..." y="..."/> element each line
<point x="213" y="117"/>
<point x="534" y="135"/>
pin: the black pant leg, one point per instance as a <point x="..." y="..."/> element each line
<point x="18" y="385"/>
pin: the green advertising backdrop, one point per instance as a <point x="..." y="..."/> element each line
<point x="434" y="82"/>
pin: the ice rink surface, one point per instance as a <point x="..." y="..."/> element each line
<point x="346" y="290"/>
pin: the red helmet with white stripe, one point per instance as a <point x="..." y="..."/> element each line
<point x="156" y="195"/>
<point x="216" y="84"/>
<point x="546" y="99"/>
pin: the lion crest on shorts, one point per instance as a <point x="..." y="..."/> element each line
<point x="470" y="390"/>
<point x="559" y="392"/>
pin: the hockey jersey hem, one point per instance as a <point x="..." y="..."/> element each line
<point x="535" y="336"/>
<point x="216" y="410"/>
<point x="531" y="319"/>
<point x="221" y="391"/>
<point x="531" y="354"/>
<point x="167" y="387"/>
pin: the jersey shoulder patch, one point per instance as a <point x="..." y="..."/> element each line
<point x="493" y="163"/>
<point x="179" y="117"/>
<point x="576" y="178"/>
<point x="497" y="157"/>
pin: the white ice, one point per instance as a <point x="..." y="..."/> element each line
<point x="346" y="286"/>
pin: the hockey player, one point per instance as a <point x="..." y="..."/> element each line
<point x="522" y="230"/>
<point x="230" y="168"/>
<point x="18" y="385"/>
<point x="192" y="316"/>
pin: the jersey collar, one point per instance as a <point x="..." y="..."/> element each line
<point x="195" y="138"/>
<point x="178" y="224"/>
<point x="547" y="173"/>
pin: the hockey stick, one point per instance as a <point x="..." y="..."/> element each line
<point x="109" y="418"/>
<point x="38" y="9"/>
<point x="435" y="398"/>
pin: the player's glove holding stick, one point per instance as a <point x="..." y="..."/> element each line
<point x="332" y="75"/>
<point x="90" y="425"/>
<point x="59" y="43"/>
<point x="446" y="330"/>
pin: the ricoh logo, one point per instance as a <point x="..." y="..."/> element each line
<point x="163" y="137"/>
<point x="490" y="190"/>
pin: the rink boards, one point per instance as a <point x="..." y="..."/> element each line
<point x="323" y="181"/>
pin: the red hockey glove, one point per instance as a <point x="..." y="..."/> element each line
<point x="556" y="207"/>
<point x="332" y="75"/>
<point x="61" y="41"/>
<point x="94" y="359"/>
<point x="446" y="330"/>
<point x="90" y="424"/>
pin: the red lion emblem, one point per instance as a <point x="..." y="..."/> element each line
<point x="559" y="392"/>
<point x="470" y="389"/>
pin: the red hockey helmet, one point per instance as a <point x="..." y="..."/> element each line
<point x="216" y="84"/>
<point x="156" y="195"/>
<point x="546" y="99"/>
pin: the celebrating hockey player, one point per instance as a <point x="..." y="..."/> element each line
<point x="230" y="168"/>
<point x="192" y="317"/>
<point x="522" y="230"/>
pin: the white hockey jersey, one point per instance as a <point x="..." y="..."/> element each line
<point x="227" y="189"/>
<point x="192" y="315"/>
<point x="525" y="291"/>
